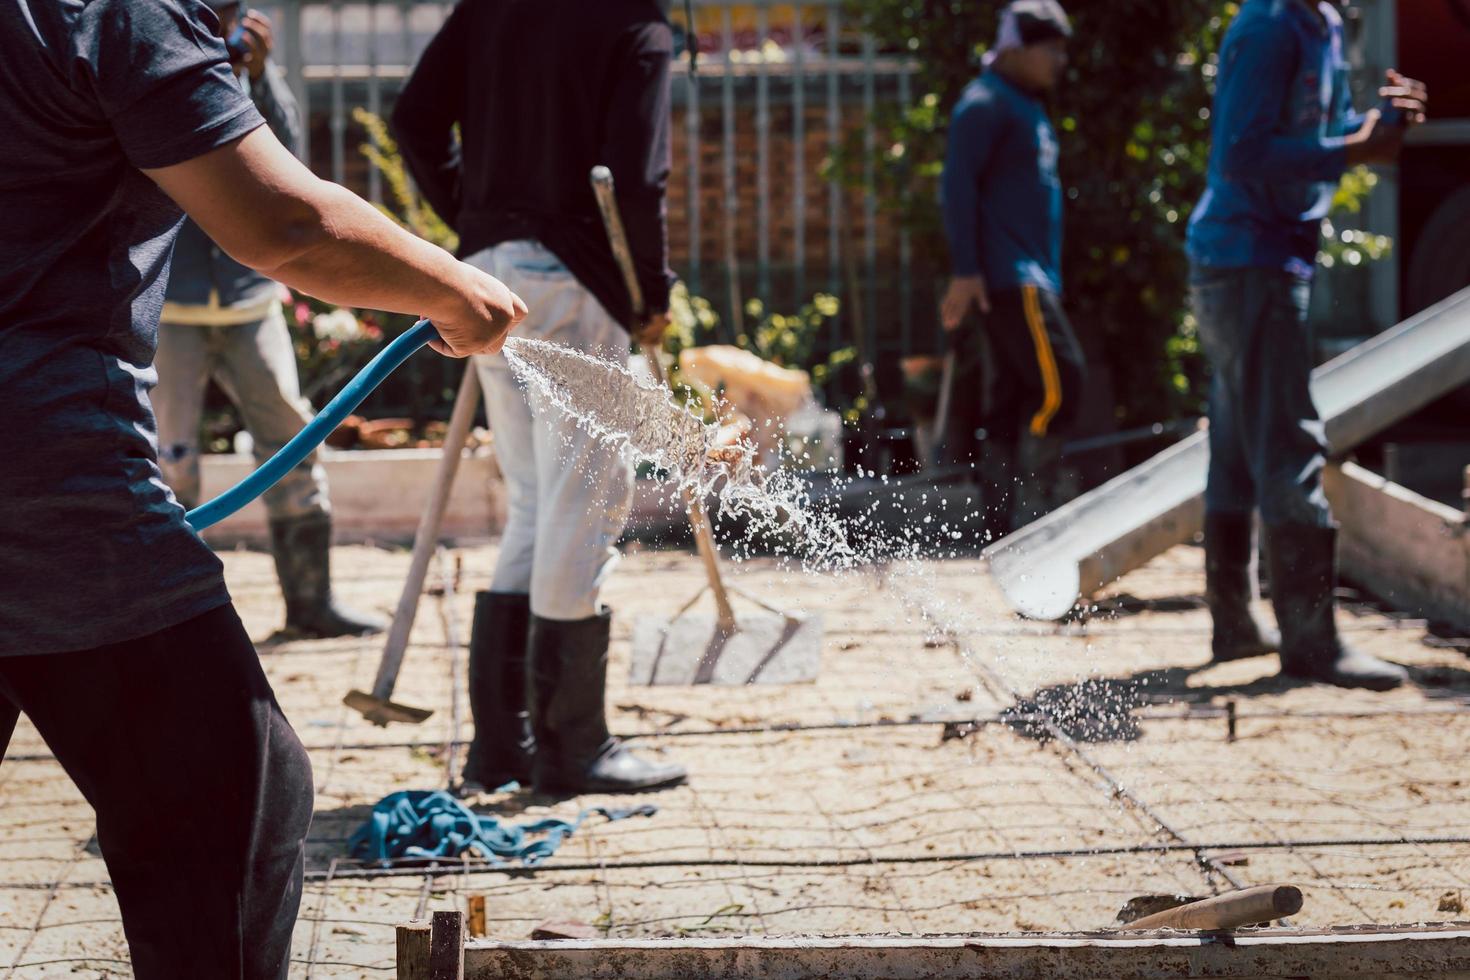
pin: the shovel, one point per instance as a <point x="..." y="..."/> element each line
<point x="771" y="646"/>
<point x="378" y="706"/>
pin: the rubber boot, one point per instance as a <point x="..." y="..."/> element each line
<point x="502" y="746"/>
<point x="1230" y="587"/>
<point x="574" y="751"/>
<point x="1303" y="576"/>
<point x="302" y="549"/>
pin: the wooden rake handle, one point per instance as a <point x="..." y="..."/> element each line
<point x="704" y="539"/>
<point x="1232" y="910"/>
<point x="426" y="538"/>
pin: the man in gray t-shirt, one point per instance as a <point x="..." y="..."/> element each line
<point x="117" y="638"/>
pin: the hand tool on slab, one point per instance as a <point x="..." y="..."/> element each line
<point x="1248" y="906"/>
<point x="730" y="649"/>
<point x="378" y="705"/>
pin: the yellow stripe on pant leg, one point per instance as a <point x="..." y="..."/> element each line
<point x="1051" y="401"/>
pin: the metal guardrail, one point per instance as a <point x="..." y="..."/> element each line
<point x="340" y="55"/>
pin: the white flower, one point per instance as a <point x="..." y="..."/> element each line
<point x="338" y="324"/>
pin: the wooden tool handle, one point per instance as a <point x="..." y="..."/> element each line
<point x="602" y="186"/>
<point x="1229" y="911"/>
<point x="426" y="538"/>
<point x="607" y="203"/>
<point x="704" y="541"/>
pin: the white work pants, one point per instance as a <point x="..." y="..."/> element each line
<point x="569" y="493"/>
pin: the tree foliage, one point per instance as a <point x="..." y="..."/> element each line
<point x="1133" y="121"/>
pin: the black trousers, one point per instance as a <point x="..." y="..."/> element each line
<point x="202" y="791"/>
<point x="1040" y="367"/>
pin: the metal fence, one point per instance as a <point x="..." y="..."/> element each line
<point x="778" y="87"/>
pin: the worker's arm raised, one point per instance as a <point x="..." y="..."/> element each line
<point x="264" y="208"/>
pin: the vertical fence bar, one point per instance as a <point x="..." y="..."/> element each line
<point x="834" y="186"/>
<point x="693" y="145"/>
<point x="798" y="159"/>
<point x="338" y="120"/>
<point x="405" y="26"/>
<point x="296" y="71"/>
<point x="870" y="195"/>
<point x="732" y="201"/>
<point x="374" y="96"/>
<point x="763" y="157"/>
<point x="905" y="242"/>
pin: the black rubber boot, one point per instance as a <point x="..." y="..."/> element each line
<point x="574" y="752"/>
<point x="1230" y="587"/>
<point x="502" y="746"/>
<point x="1303" y="575"/>
<point x="302" y="549"/>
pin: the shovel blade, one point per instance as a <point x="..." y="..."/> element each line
<point x="381" y="711"/>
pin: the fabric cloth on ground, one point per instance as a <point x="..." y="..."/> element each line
<point x="542" y="92"/>
<point x="569" y="493"/>
<point x="1267" y="442"/>
<point x="427" y="824"/>
<point x="203" y="793"/>
<point x="255" y="364"/>
<point x="96" y="549"/>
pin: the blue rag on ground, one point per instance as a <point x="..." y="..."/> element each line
<point x="427" y="824"/>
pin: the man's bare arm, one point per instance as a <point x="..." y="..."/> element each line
<point x="268" y="211"/>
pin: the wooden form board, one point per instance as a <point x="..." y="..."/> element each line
<point x="1358" y="953"/>
<point x="1411" y="552"/>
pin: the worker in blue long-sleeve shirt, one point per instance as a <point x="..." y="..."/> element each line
<point x="1284" y="131"/>
<point x="1002" y="203"/>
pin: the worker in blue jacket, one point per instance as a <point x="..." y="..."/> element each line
<point x="1002" y="203"/>
<point x="1284" y="130"/>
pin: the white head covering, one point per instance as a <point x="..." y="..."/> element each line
<point x="1024" y="22"/>
<point x="1006" y="39"/>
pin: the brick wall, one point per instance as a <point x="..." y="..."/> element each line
<point x="883" y="282"/>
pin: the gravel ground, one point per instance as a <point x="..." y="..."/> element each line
<point x="901" y="824"/>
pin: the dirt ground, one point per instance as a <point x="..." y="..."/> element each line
<point x="897" y="823"/>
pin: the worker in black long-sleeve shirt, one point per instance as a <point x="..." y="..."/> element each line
<point x="542" y="91"/>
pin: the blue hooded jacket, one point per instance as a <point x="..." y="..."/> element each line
<point x="1282" y="111"/>
<point x="1001" y="196"/>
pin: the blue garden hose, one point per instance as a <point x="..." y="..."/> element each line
<point x="316" y="431"/>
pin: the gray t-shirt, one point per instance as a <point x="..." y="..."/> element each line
<point x="94" y="548"/>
